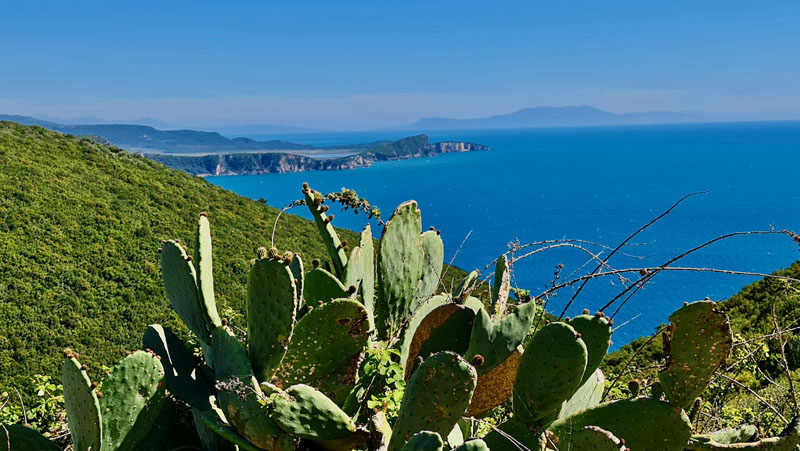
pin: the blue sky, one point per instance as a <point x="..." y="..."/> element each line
<point x="358" y="65"/>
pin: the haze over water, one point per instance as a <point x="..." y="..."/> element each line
<point x="595" y="183"/>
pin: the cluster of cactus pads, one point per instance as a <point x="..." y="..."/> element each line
<point x="297" y="382"/>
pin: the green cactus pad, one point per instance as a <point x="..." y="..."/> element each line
<point x="304" y="412"/>
<point x="513" y="436"/>
<point x="183" y="375"/>
<point x="354" y="271"/>
<point x="367" y="288"/>
<point x="21" y="437"/>
<point x="500" y="287"/>
<point x="788" y="440"/>
<point x="205" y="272"/>
<point x="133" y="395"/>
<point x="327" y="232"/>
<point x="588" y="395"/>
<point x="216" y="424"/>
<point x="432" y="263"/>
<point x="400" y="259"/>
<point x="496" y="386"/>
<point x="321" y="285"/>
<point x="496" y="342"/>
<point x="644" y="423"/>
<point x="596" y="335"/>
<point x="590" y="438"/>
<point x="424" y="441"/>
<point x="238" y="391"/>
<point x="404" y="343"/>
<point x="436" y="396"/>
<point x="699" y="341"/>
<point x="180" y="283"/>
<point x="325" y="348"/>
<point x="299" y="274"/>
<point x="446" y="328"/>
<point x="271" y="307"/>
<point x="465" y="287"/>
<point x="475" y="444"/>
<point x="550" y="372"/>
<point x="83" y="408"/>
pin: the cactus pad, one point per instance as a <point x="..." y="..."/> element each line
<point x="367" y="288"/>
<point x="326" y="347"/>
<point x="183" y="376"/>
<point x="205" y="272"/>
<point x="436" y="396"/>
<point x="495" y="386"/>
<point x="424" y="441"/>
<point x="304" y="412"/>
<point x="271" y="306"/>
<point x="133" y="396"/>
<point x="549" y="373"/>
<point x="400" y="259"/>
<point x="299" y="274"/>
<point x="321" y="285"/>
<point x="698" y="342"/>
<point x="83" y="408"/>
<point x="515" y="436"/>
<point x="180" y="283"/>
<point x="446" y="328"/>
<point x="590" y="437"/>
<point x="326" y="231"/>
<point x="496" y="342"/>
<point x="18" y="437"/>
<point x="465" y="287"/>
<point x="644" y="423"/>
<point x="354" y="271"/>
<point x="432" y="263"/>
<point x="472" y="445"/>
<point x="500" y="287"/>
<point x="596" y="335"/>
<point x="416" y="319"/>
<point x="588" y="395"/>
<point x="238" y="391"/>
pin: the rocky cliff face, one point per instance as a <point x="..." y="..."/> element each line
<point x="269" y="163"/>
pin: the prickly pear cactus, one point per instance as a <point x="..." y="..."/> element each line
<point x="327" y="232"/>
<point x="644" y="423"/>
<point x="299" y="273"/>
<point x="500" y="287"/>
<point x="182" y="372"/>
<point x="271" y="307"/>
<point x="588" y="395"/>
<point x="446" y="328"/>
<point x="436" y="396"/>
<point x="414" y="322"/>
<point x="698" y="342"/>
<point x="495" y="386"/>
<point x="205" y="273"/>
<point x="591" y="437"/>
<point x="322" y="286"/>
<point x="133" y="396"/>
<point x="238" y="391"/>
<point x="304" y="412"/>
<point x="465" y="287"/>
<point x="83" y="408"/>
<point x="496" y="342"/>
<point x="326" y="347"/>
<point x="18" y="437"/>
<point x="472" y="445"/>
<point x="180" y="282"/>
<point x="513" y="435"/>
<point x="551" y="370"/>
<point x="596" y="335"/>
<point x="400" y="259"/>
<point x="432" y="263"/>
<point x="367" y="288"/>
<point x="424" y="441"/>
<point x="354" y="271"/>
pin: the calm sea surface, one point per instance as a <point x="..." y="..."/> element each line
<point x="595" y="183"/>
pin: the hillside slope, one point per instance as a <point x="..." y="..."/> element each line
<point x="81" y="226"/>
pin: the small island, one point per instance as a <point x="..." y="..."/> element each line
<point x="360" y="155"/>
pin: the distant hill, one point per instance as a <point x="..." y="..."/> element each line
<point x="550" y="117"/>
<point x="146" y="139"/>
<point x="280" y="162"/>
<point x="262" y="129"/>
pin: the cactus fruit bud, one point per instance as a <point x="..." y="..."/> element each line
<point x="600" y="315"/>
<point x="546" y="322"/>
<point x="68" y="353"/>
<point x="189" y="258"/>
<point x="634" y="385"/>
<point x="642" y="272"/>
<point x="685" y="304"/>
<point x="159" y="250"/>
<point x="204" y="214"/>
<point x="315" y="263"/>
<point x="224" y="321"/>
<point x="432" y="228"/>
<point x="163" y="242"/>
<point x="84" y="367"/>
<point x="351" y="289"/>
<point x="324" y="208"/>
<point x="567" y="319"/>
<point x="586" y="311"/>
<point x="611" y="322"/>
<point x="305" y="186"/>
<point x="438" y="232"/>
<point x="94" y="384"/>
<point x="261" y="252"/>
<point x="329" y="219"/>
<point x="347" y="248"/>
<point x="99" y="394"/>
<point x="478" y="360"/>
<point x="128" y="353"/>
<point x="288" y="256"/>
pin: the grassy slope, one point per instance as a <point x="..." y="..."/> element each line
<point x="81" y="225"/>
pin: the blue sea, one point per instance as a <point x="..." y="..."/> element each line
<point x="598" y="184"/>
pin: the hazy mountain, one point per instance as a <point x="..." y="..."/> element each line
<point x="262" y="129"/>
<point x="550" y="117"/>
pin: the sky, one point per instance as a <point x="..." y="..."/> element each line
<point x="352" y="65"/>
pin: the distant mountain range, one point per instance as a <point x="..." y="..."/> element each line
<point x="547" y="116"/>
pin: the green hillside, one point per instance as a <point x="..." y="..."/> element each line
<point x="81" y="226"/>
